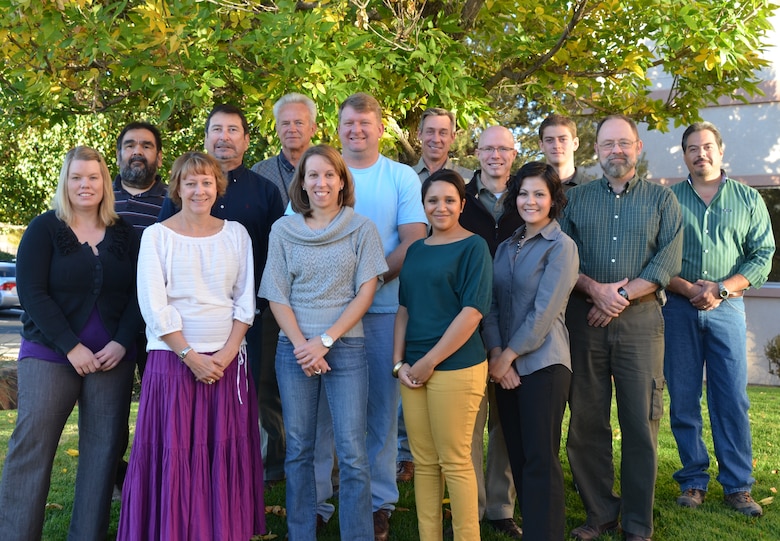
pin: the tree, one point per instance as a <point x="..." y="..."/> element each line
<point x="170" y="61"/>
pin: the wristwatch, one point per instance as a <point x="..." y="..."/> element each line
<point x="623" y="293"/>
<point x="327" y="341"/>
<point x="183" y="353"/>
<point x="397" y="368"/>
<point x="722" y="291"/>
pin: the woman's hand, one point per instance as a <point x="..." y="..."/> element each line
<point x="83" y="360"/>
<point x="421" y="372"/>
<point x="110" y="355"/>
<point x="205" y="369"/>
<point x="311" y="357"/>
<point x="406" y="379"/>
<point x="501" y="368"/>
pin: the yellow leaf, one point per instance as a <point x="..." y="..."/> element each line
<point x="72" y="452"/>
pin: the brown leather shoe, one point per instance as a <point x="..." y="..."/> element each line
<point x="744" y="503"/>
<point x="381" y="525"/>
<point x="507" y="526"/>
<point x="404" y="471"/>
<point x="586" y="532"/>
<point x="691" y="497"/>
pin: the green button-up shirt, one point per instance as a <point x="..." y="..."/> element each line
<point x="634" y="234"/>
<point x="732" y="235"/>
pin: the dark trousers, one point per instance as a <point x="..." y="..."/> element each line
<point x="261" y="347"/>
<point x="630" y="352"/>
<point x="531" y="415"/>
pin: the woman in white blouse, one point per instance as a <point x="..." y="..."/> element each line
<point x="195" y="468"/>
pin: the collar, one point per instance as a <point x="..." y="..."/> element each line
<point x="285" y="163"/>
<point x="723" y="178"/>
<point x="237" y="172"/>
<point x="627" y="187"/>
<point x="157" y="187"/>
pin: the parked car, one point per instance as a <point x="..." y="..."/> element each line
<point x="9" y="298"/>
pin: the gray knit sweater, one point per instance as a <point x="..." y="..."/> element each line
<point x="318" y="273"/>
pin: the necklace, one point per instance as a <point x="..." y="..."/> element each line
<point x="520" y="241"/>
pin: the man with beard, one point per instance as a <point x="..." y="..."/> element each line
<point x="629" y="235"/>
<point x="727" y="248"/>
<point x="138" y="190"/>
<point x="250" y="199"/>
<point x="139" y="194"/>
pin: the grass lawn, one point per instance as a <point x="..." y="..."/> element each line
<point x="713" y="520"/>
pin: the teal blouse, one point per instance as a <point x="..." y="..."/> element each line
<point x="436" y="283"/>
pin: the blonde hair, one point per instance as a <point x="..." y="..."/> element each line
<point x="197" y="163"/>
<point x="61" y="203"/>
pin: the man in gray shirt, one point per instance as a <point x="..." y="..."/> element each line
<point x="296" y="124"/>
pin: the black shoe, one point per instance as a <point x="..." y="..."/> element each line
<point x="507" y="526"/>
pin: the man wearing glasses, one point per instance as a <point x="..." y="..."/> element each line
<point x="629" y="235"/>
<point x="484" y="215"/>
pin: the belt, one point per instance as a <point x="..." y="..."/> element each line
<point x="644" y="298"/>
<point x="632" y="302"/>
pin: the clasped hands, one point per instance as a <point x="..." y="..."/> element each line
<point x="707" y="297"/>
<point x="311" y="357"/>
<point x="501" y="368"/>
<point x="416" y="376"/>
<point x="85" y="362"/>
<point x="607" y="303"/>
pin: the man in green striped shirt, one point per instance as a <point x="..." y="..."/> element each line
<point x="629" y="235"/>
<point x="728" y="247"/>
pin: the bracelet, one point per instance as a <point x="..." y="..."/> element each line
<point x="183" y="353"/>
<point x="397" y="368"/>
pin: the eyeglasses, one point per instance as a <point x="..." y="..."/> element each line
<point x="500" y="150"/>
<point x="624" y="144"/>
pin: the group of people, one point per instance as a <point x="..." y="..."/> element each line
<point x="390" y="308"/>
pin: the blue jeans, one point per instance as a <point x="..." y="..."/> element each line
<point x="383" y="398"/>
<point x="346" y="388"/>
<point x="716" y="338"/>
<point x="47" y="394"/>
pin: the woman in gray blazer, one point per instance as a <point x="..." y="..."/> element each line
<point x="534" y="272"/>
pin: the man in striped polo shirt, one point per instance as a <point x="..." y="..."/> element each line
<point x="727" y="247"/>
<point x="138" y="190"/>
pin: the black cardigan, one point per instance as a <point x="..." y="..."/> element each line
<point x="479" y="220"/>
<point x="60" y="281"/>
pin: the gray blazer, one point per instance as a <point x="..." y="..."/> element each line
<point x="531" y="289"/>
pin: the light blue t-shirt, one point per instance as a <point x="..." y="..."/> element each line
<point x="389" y="194"/>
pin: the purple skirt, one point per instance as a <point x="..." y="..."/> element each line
<point x="195" y="471"/>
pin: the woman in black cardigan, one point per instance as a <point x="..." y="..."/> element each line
<point x="76" y="282"/>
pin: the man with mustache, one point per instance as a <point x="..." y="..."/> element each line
<point x="138" y="189"/>
<point x="727" y="248"/>
<point x="139" y="194"/>
<point x="629" y="235"/>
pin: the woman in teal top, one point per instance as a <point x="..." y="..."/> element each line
<point x="445" y="290"/>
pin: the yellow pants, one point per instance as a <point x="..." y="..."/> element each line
<point x="439" y="420"/>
